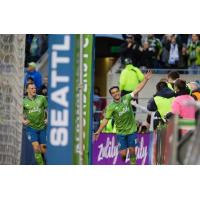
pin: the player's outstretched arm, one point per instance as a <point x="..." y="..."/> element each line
<point x="141" y="85"/>
<point x="101" y="127"/>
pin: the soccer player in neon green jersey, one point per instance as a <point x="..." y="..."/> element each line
<point x="35" y="121"/>
<point x="120" y="109"/>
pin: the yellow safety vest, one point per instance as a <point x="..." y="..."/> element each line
<point x="170" y="86"/>
<point x="164" y="105"/>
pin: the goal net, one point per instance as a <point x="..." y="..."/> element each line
<point x="12" y="53"/>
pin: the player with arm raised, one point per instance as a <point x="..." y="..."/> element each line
<point x="121" y="111"/>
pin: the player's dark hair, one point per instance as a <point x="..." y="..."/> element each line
<point x="182" y="86"/>
<point x="173" y="75"/>
<point x="27" y="85"/>
<point x="160" y="85"/>
<point x="113" y="88"/>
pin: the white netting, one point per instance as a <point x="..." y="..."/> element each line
<point x="12" y="53"/>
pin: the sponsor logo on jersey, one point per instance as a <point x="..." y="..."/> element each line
<point x="126" y="109"/>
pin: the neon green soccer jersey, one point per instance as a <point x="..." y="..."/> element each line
<point x="34" y="110"/>
<point x="123" y="115"/>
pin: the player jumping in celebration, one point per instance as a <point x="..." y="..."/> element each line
<point x="35" y="121"/>
<point x="121" y="111"/>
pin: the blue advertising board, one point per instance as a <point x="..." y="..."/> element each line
<point x="60" y="99"/>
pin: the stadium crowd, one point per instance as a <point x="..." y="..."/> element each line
<point x="169" y="51"/>
<point x="36" y="46"/>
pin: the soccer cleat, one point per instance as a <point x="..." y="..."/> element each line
<point x="38" y="158"/>
<point x="133" y="159"/>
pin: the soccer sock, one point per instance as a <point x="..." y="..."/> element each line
<point x="123" y="158"/>
<point x="38" y="158"/>
<point x="133" y="159"/>
<point x="44" y="158"/>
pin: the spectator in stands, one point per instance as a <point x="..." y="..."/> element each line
<point x="29" y="38"/>
<point x="97" y="98"/>
<point x="129" y="79"/>
<point x="99" y="105"/>
<point x="44" y="88"/>
<point x="172" y="77"/>
<point x="44" y="47"/>
<point x="35" y="75"/>
<point x="171" y="50"/>
<point x="166" y="40"/>
<point x="183" y="39"/>
<point x="156" y="47"/>
<point x="130" y="49"/>
<point x="183" y="58"/>
<point x="194" y="54"/>
<point x="179" y="104"/>
<point x="161" y="102"/>
<point x="174" y="53"/>
<point x="189" y="40"/>
<point x="146" y="59"/>
<point x="138" y="39"/>
<point x="38" y="46"/>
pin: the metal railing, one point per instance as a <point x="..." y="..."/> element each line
<point x="185" y="150"/>
<point x="118" y="66"/>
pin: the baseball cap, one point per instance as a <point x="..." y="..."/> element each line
<point x="33" y="64"/>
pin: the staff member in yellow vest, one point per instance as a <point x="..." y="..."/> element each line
<point x="161" y="102"/>
<point x="129" y="79"/>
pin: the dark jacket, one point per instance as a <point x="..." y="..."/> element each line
<point x="146" y="58"/>
<point x="43" y="90"/>
<point x="165" y="92"/>
<point x="133" y="53"/>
